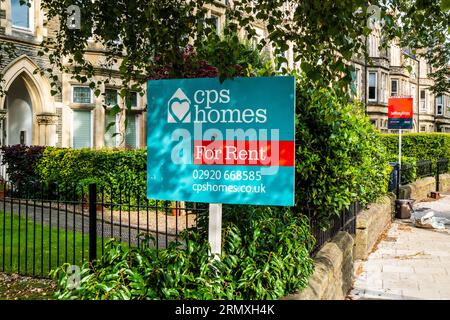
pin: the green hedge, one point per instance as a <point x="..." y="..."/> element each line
<point x="119" y="173"/>
<point x="340" y="157"/>
<point x="422" y="146"/>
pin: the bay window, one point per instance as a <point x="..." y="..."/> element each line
<point x="373" y="86"/>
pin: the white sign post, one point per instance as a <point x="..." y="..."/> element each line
<point x="400" y="116"/>
<point x="399" y="156"/>
<point x="215" y="230"/>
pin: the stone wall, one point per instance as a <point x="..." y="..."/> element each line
<point x="371" y="223"/>
<point x="332" y="277"/>
<point x="444" y="183"/>
<point x="419" y="190"/>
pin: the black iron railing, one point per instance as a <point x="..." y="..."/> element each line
<point x="424" y="168"/>
<point x="345" y="221"/>
<point x="43" y="226"/>
<point x="421" y="169"/>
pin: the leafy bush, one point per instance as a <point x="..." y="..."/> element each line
<point x="265" y="256"/>
<point x="340" y="157"/>
<point x="409" y="169"/>
<point x="415" y="147"/>
<point x="422" y="146"/>
<point x="115" y="171"/>
<point x="230" y="55"/>
<point x="21" y="162"/>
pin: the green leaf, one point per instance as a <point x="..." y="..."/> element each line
<point x="445" y="5"/>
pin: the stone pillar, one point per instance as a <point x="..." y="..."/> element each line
<point x="47" y="128"/>
<point x="3" y="113"/>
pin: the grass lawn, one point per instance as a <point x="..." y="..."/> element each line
<point x="32" y="248"/>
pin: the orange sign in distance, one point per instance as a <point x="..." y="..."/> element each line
<point x="400" y="108"/>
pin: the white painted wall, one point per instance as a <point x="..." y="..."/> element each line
<point x="20" y="116"/>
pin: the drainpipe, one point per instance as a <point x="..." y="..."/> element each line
<point x="366" y="101"/>
<point x="418" y="96"/>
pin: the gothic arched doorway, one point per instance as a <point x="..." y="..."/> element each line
<point x="19" y="116"/>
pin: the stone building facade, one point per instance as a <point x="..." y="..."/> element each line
<point x="31" y="115"/>
<point x="397" y="72"/>
<point x="74" y="118"/>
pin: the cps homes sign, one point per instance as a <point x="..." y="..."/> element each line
<point x="230" y="142"/>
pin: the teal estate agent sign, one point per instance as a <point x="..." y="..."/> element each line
<point x="230" y="142"/>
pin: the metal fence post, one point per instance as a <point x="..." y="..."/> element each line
<point x="437" y="176"/>
<point x="397" y="168"/>
<point x="92" y="222"/>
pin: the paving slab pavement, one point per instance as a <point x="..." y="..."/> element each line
<point x="409" y="263"/>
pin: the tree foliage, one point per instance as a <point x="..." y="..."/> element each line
<point x="138" y="36"/>
<point x="326" y="34"/>
<point x="423" y="26"/>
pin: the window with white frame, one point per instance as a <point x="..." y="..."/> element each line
<point x="394" y="87"/>
<point x="131" y="132"/>
<point x="439" y="105"/>
<point x="111" y="129"/>
<point x="373" y="86"/>
<point x="403" y="88"/>
<point x="384" y="87"/>
<point x="423" y="100"/>
<point x="112" y="132"/>
<point x="111" y="97"/>
<point x="395" y="55"/>
<point x="22" y="14"/>
<point x="354" y="89"/>
<point x="216" y="23"/>
<point x="82" y="95"/>
<point x="374" y="42"/>
<point x="133" y="100"/>
<point x="82" y="129"/>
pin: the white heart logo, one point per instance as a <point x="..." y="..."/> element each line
<point x="180" y="110"/>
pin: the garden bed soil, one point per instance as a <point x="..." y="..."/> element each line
<point x="16" y="287"/>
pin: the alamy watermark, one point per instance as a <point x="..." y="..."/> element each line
<point x="374" y="21"/>
<point x="73" y="17"/>
<point x="74" y="277"/>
